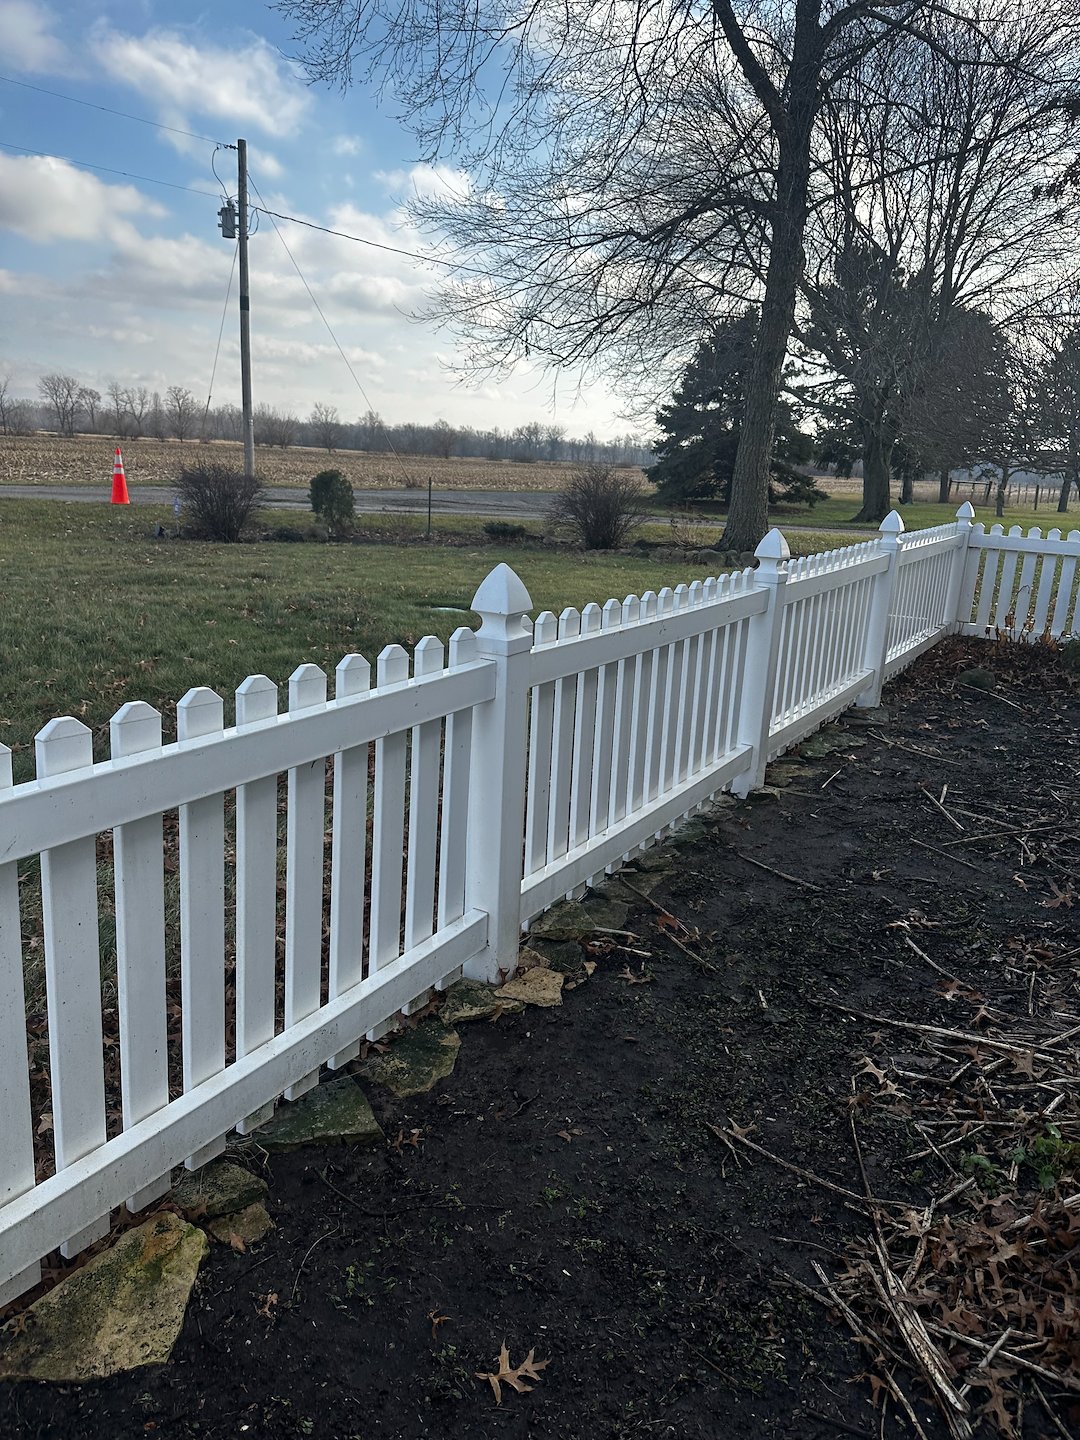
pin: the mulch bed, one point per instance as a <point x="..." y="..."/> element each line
<point x="795" y="1170"/>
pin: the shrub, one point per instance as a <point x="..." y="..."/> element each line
<point x="331" y="497"/>
<point x="599" y="505"/>
<point x="505" y="530"/>
<point x="218" y="500"/>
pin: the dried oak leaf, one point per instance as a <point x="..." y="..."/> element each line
<point x="514" y="1376"/>
<point x="644" y="977"/>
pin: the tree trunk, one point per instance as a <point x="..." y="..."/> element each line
<point x="877" y="451"/>
<point x="748" y="517"/>
<point x="1003" y="485"/>
<point x="907" y="488"/>
<point x="944" y="485"/>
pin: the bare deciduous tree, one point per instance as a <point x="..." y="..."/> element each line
<point x="326" y="425"/>
<point x="650" y="174"/>
<point x="60" y="392"/>
<point x="182" y="410"/>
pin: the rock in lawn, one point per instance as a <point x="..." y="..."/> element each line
<point x="416" y="1060"/>
<point x="334" y="1113"/>
<point x="123" y="1309"/>
<point x="977" y="679"/>
<point x="471" y="1000"/>
<point x="535" y="987"/>
<point x="218" y="1189"/>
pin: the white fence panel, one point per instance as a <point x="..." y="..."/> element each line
<point x="542" y="755"/>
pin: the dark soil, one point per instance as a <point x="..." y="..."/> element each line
<point x="565" y="1193"/>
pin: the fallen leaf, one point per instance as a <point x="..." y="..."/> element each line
<point x="644" y="977"/>
<point x="514" y="1376"/>
<point x="436" y="1320"/>
<point x="267" y="1307"/>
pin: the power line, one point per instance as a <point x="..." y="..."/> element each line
<point x="330" y="331"/>
<point x="107" y="169"/>
<point x="106" y="110"/>
<point x="378" y="244"/>
<point x="221" y="331"/>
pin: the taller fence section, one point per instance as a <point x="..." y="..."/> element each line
<point x="190" y="931"/>
<point x="1022" y="585"/>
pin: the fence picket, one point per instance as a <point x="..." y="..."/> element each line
<point x="457" y="754"/>
<point x="16" y="1118"/>
<point x="304" y="860"/>
<point x="139" y="888"/>
<point x="73" y="976"/>
<point x="388" y="838"/>
<point x="584" y="737"/>
<point x="256" y="892"/>
<point x="202" y="916"/>
<point x="423" y="815"/>
<point x="541" y="739"/>
<point x="349" y="853"/>
<point x="607" y="679"/>
<point x="564" y="727"/>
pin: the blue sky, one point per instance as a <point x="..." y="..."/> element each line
<point x="115" y="278"/>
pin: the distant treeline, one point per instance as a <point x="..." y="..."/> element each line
<point x="129" y="412"/>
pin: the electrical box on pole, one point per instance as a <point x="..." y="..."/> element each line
<point x="227" y="220"/>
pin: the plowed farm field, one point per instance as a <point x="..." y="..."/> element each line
<point x="87" y="460"/>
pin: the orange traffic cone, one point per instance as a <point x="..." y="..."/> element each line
<point x="119" y="480"/>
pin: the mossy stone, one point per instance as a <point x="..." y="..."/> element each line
<point x="217" y="1189"/>
<point x="334" y="1113"/>
<point x="606" y="912"/>
<point x="977" y="679"/>
<point x="569" y="920"/>
<point x="121" y="1310"/>
<point x="245" y="1227"/>
<point x="471" y="1000"/>
<point x="563" y="955"/>
<point x="830" y="741"/>
<point x="416" y="1061"/>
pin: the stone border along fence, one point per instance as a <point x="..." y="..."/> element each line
<point x="535" y="756"/>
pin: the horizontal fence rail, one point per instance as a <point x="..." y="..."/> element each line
<point x="190" y="931"/>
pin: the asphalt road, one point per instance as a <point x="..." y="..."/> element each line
<point x="486" y="504"/>
<point x="492" y="504"/>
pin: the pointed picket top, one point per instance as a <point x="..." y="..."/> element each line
<point x="307" y="687"/>
<point x="63" y="744"/>
<point x="200" y="712"/>
<point x="352" y="676"/>
<point x="256" y="699"/>
<point x="135" y="727"/>
<point x="592" y="617"/>
<point x="545" y="628"/>
<point x="462" y="646"/>
<point x="966" y="512"/>
<point x="428" y="655"/>
<point x="393" y="665"/>
<point x="612" y="616"/>
<point x="569" y="623"/>
<point x="6" y="775"/>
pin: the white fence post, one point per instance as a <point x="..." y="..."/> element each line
<point x="755" y="703"/>
<point x="964" y="572"/>
<point x="881" y="605"/>
<point x="494" y="862"/>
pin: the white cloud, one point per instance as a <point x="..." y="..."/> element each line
<point x="427" y="181"/>
<point x="45" y="200"/>
<point x="27" y="41"/>
<point x="251" y="86"/>
<point x="264" y="165"/>
<point x="347" y="145"/>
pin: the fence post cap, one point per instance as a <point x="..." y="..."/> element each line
<point x="773" y="546"/>
<point x="966" y="511"/>
<point x="501" y="595"/>
<point x="893" y="524"/>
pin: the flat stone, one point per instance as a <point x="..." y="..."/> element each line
<point x="334" y="1113"/>
<point x="605" y="912"/>
<point x="565" y="956"/>
<point x="856" y="716"/>
<point x="978" y="679"/>
<point x="416" y="1061"/>
<point x="121" y="1310"/>
<point x="471" y="1000"/>
<point x="243" y="1228"/>
<point x="645" y="881"/>
<point x="763" y="796"/>
<point x="569" y="920"/>
<point x="783" y="772"/>
<point x="536" y="987"/>
<point x="218" y="1189"/>
<point x="655" y="858"/>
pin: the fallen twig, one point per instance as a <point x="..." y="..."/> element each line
<point x="729" y="1135"/>
<point x="780" y="874"/>
<point x="1010" y="1357"/>
<point x="939" y="806"/>
<point x="959" y="859"/>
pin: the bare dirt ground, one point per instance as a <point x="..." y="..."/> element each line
<point x="87" y="460"/>
<point x="824" y="1088"/>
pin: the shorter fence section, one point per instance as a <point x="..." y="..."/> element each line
<point x="190" y="931"/>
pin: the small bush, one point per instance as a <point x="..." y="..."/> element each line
<point x="332" y="499"/>
<point x="505" y="530"/>
<point x="599" y="505"/>
<point x="218" y="501"/>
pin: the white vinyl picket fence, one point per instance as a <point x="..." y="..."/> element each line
<point x="426" y="819"/>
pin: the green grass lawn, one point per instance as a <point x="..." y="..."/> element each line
<point x="94" y="611"/>
<point x="838" y="511"/>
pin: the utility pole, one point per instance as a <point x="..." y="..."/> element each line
<point x="245" y="310"/>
